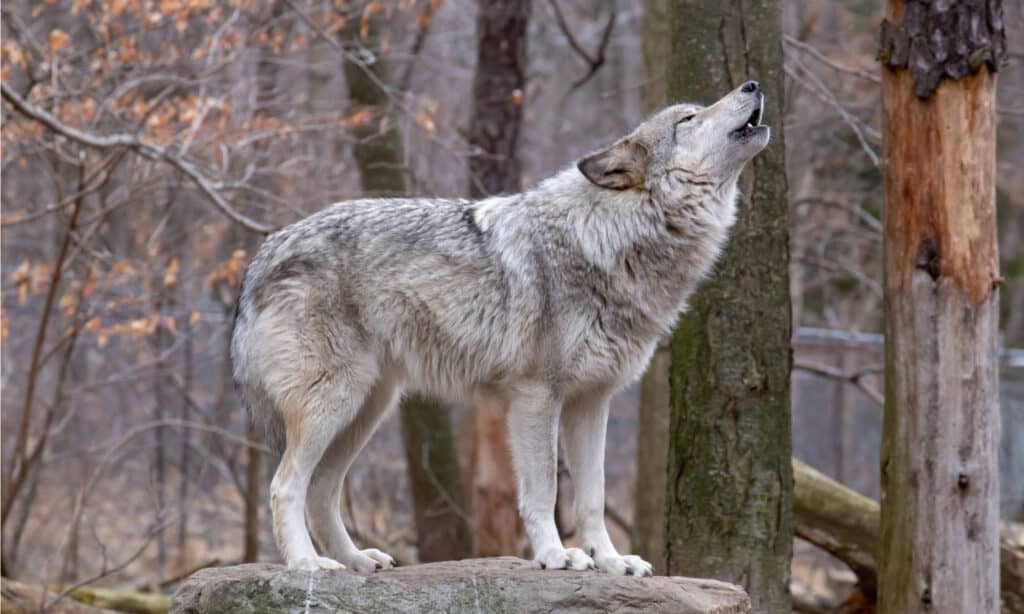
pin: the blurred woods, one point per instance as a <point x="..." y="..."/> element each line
<point x="148" y="146"/>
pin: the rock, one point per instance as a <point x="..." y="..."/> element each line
<point x="476" y="585"/>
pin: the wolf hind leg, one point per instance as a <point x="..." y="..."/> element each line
<point x="324" y="498"/>
<point x="312" y="420"/>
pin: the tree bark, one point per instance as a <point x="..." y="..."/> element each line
<point x="441" y="527"/>
<point x="498" y="91"/>
<point x="656" y="48"/>
<point x="940" y="514"/>
<point x="253" y="475"/>
<point x="729" y="486"/>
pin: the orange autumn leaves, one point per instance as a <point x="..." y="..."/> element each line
<point x="115" y="292"/>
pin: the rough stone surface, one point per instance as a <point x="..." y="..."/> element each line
<point x="476" y="585"/>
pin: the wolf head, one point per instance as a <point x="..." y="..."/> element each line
<point x="713" y="142"/>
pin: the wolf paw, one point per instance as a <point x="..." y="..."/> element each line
<point x="369" y="561"/>
<point x="560" y="558"/>
<point x="629" y="565"/>
<point x="315" y="564"/>
<point x="552" y="558"/>
<point x="579" y="560"/>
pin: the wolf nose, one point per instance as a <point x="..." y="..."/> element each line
<point x="751" y="87"/>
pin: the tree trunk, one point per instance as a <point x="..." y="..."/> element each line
<point x="441" y="527"/>
<point x="729" y="488"/>
<point x="940" y="514"/>
<point x="498" y="91"/>
<point x="251" y="552"/>
<point x="648" y="535"/>
<point x="656" y="50"/>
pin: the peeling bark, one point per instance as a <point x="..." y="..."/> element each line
<point x="937" y="40"/>
<point x="940" y="516"/>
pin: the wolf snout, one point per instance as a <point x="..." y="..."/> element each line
<point x="751" y="87"/>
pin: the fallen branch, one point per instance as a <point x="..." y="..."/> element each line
<point x="178" y="577"/>
<point x="838" y="520"/>
<point x="846" y="524"/>
<point x="142" y="147"/>
<point x="122" y="601"/>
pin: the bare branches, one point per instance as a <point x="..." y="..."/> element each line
<point x="815" y="84"/>
<point x="22" y="461"/>
<point x="595" y="61"/>
<point x="821" y="57"/>
<point x="142" y="147"/>
<point x="853" y="377"/>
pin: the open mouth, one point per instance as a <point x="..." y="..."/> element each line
<point x="753" y="122"/>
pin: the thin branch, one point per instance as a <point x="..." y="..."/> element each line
<point x="105" y="571"/>
<point x="595" y="61"/>
<point x="821" y="57"/>
<point x="95" y="181"/>
<point x="22" y="461"/>
<point x="424" y="20"/>
<point x="825" y="94"/>
<point x="142" y="147"/>
<point x="853" y="377"/>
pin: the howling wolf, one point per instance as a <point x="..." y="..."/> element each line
<point x="546" y="302"/>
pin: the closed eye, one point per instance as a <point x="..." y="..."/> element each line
<point x="685" y="119"/>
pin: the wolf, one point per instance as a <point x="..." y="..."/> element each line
<point x="546" y="302"/>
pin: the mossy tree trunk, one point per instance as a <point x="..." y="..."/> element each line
<point x="729" y="492"/>
<point x="498" y="92"/>
<point x="940" y="439"/>
<point x="441" y="527"/>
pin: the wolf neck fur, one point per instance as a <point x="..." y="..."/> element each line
<point x="665" y="236"/>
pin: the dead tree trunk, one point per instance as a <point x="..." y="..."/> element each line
<point x="498" y="88"/>
<point x="441" y="527"/>
<point x="940" y="514"/>
<point x="728" y="498"/>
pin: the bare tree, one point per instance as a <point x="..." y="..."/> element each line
<point x="940" y="504"/>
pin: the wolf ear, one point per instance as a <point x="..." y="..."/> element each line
<point x="619" y="167"/>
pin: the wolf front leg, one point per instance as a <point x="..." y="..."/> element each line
<point x="533" y="438"/>
<point x="584" y="423"/>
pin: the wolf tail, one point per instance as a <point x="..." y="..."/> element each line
<point x="259" y="405"/>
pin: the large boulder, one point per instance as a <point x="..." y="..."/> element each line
<point x="477" y="585"/>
